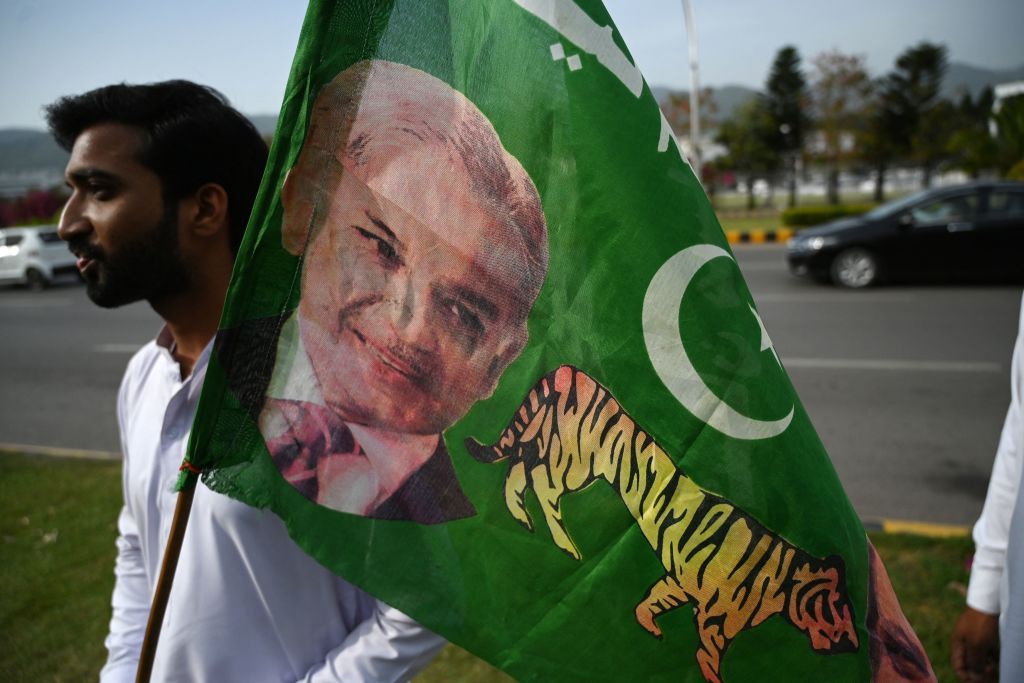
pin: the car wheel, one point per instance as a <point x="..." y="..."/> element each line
<point x="855" y="268"/>
<point x="35" y="280"/>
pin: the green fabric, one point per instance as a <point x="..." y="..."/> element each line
<point x="617" y="210"/>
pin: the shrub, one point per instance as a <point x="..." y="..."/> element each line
<point x="803" y="216"/>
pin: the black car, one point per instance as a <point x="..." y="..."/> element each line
<point x="964" y="232"/>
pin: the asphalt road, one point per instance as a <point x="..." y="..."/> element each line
<point x="907" y="386"/>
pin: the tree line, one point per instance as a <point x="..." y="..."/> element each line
<point x="841" y="118"/>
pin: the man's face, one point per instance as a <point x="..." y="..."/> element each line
<point x="115" y="220"/>
<point x="408" y="307"/>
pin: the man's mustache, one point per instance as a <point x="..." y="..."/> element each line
<point x="81" y="248"/>
<point x="417" y="363"/>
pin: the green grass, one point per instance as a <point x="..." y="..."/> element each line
<point x="57" y="527"/>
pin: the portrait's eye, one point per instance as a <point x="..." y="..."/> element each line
<point x="466" y="318"/>
<point x="385" y="250"/>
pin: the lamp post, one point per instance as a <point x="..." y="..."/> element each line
<point x="691" y="39"/>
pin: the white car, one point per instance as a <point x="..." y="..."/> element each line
<point x="34" y="256"/>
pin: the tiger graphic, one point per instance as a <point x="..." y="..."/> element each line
<point x="570" y="432"/>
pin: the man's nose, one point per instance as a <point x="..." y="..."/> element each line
<point x="411" y="316"/>
<point x="72" y="220"/>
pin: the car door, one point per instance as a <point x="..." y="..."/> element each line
<point x="941" y="239"/>
<point x="1000" y="234"/>
<point x="11" y="257"/>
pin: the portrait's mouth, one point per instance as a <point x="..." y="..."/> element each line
<point x="391" y="361"/>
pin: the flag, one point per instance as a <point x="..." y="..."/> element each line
<point x="487" y="354"/>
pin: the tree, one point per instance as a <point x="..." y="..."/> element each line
<point x="841" y="88"/>
<point x="1009" y="122"/>
<point x="786" y="101"/>
<point x="875" y="142"/>
<point x="971" y="146"/>
<point x="676" y="109"/>
<point x="918" y="115"/>
<point x="748" y="137"/>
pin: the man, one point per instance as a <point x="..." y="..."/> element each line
<point x="424" y="247"/>
<point x="995" y="593"/>
<point x="163" y="178"/>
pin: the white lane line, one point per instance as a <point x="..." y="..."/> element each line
<point x="835" y="298"/>
<point x="28" y="303"/>
<point x="56" y="452"/>
<point x="882" y="364"/>
<point x="117" y="348"/>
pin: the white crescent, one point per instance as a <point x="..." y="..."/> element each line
<point x="668" y="354"/>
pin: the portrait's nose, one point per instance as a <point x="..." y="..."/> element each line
<point x="410" y="314"/>
<point x="72" y="220"/>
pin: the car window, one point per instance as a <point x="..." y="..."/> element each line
<point x="49" y="236"/>
<point x="1006" y="204"/>
<point x="945" y="210"/>
<point x="13" y="240"/>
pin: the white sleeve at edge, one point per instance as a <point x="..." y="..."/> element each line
<point x="386" y="648"/>
<point x="993" y="527"/>
<point x="131" y="598"/>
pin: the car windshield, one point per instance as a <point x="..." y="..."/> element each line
<point x="895" y="206"/>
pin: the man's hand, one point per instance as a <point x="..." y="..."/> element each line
<point x="976" y="647"/>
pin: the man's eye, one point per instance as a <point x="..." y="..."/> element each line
<point x="385" y="250"/>
<point x="100" y="191"/>
<point x="466" y="317"/>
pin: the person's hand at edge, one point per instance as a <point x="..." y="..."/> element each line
<point x="975" y="647"/>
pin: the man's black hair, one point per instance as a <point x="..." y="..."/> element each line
<point x="193" y="136"/>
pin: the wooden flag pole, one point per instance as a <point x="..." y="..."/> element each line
<point x="163" y="585"/>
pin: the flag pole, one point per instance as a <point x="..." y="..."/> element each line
<point x="163" y="585"/>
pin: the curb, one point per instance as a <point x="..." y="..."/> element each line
<point x="758" y="236"/>
<point x="52" y="452"/>
<point x="902" y="526"/>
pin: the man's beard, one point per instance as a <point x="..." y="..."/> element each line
<point x="148" y="268"/>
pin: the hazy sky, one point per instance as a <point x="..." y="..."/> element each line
<point x="244" y="47"/>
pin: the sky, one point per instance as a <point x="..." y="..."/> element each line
<point x="244" y="48"/>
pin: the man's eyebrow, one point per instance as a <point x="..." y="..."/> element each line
<point x="481" y="303"/>
<point x="84" y="174"/>
<point x="382" y="225"/>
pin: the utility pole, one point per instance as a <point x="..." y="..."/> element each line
<point x="691" y="39"/>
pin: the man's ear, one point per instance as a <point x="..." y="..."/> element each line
<point x="298" y="214"/>
<point x="206" y="211"/>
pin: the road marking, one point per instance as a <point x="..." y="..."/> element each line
<point x="836" y="298"/>
<point x="117" y="348"/>
<point x="55" y="452"/>
<point x="36" y="303"/>
<point x="883" y="364"/>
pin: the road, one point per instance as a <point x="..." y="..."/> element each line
<point x="907" y="386"/>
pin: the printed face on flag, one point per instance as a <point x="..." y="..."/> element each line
<point x="424" y="247"/>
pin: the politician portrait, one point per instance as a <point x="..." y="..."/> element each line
<point x="423" y="246"/>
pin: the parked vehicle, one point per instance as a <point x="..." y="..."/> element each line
<point x="34" y="256"/>
<point x="965" y="232"/>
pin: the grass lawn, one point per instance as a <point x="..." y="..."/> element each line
<point x="57" y="525"/>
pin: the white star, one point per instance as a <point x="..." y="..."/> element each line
<point x="766" y="341"/>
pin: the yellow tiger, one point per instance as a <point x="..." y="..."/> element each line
<point x="570" y="432"/>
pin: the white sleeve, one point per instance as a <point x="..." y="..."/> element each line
<point x="386" y="648"/>
<point x="131" y="598"/>
<point x="992" y="530"/>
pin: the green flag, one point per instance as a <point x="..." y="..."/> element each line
<point x="487" y="354"/>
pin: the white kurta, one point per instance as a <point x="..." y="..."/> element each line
<point x="987" y="588"/>
<point x="247" y="603"/>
